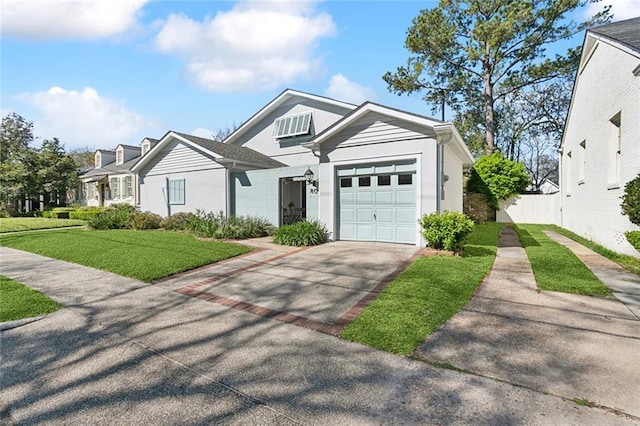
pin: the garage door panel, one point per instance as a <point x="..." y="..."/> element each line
<point x="384" y="198"/>
<point x="385" y="233"/>
<point x="384" y="215"/>
<point x="348" y="215"/>
<point x="406" y="234"/>
<point x="365" y="232"/>
<point x="364" y="198"/>
<point x="406" y="197"/>
<point x="347" y="231"/>
<point x="347" y="198"/>
<point x="405" y="215"/>
<point x="364" y="215"/>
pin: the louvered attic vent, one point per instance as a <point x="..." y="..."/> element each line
<point x="292" y="125"/>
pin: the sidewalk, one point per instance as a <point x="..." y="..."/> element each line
<point x="125" y="352"/>
<point x="561" y="344"/>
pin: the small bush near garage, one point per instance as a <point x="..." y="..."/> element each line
<point x="631" y="200"/>
<point x="300" y="234"/>
<point x="144" y="220"/>
<point x="178" y="222"/>
<point x="447" y="231"/>
<point x="634" y="239"/>
<point x="115" y="216"/>
<point x="210" y="225"/>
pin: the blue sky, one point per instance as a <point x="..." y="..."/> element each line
<point x="96" y="73"/>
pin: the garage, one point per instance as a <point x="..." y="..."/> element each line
<point x="378" y="202"/>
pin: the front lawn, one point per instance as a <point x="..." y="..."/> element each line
<point x="145" y="255"/>
<point x="555" y="267"/>
<point x="16" y="224"/>
<point x="18" y="301"/>
<point x="425" y="295"/>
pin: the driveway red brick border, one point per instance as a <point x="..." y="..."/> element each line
<point x="333" y="329"/>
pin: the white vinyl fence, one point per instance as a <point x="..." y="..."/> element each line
<point x="530" y="208"/>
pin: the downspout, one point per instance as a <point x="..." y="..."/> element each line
<point x="443" y="137"/>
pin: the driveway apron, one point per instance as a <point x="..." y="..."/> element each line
<point x="125" y="352"/>
<point x="562" y="344"/>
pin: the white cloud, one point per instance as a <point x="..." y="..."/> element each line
<point x="86" y="119"/>
<point x="621" y="9"/>
<point x="257" y="45"/>
<point x="343" y="89"/>
<point x="55" y="19"/>
<point x="202" y="132"/>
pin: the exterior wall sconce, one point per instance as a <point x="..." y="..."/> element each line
<point x="308" y="176"/>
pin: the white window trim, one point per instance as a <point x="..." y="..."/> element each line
<point x="97" y="160"/>
<point x="119" y="156"/>
<point x="181" y="202"/>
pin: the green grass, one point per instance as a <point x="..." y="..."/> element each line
<point x="16" y="224"/>
<point x="555" y="267"/>
<point x="628" y="262"/>
<point x="145" y="255"/>
<point x="18" y="301"/>
<point x="425" y="295"/>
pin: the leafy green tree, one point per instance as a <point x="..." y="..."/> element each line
<point x="18" y="180"/>
<point x="497" y="177"/>
<point x="83" y="157"/>
<point x="56" y="171"/>
<point x="476" y="53"/>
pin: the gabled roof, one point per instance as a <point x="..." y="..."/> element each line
<point x="112" y="169"/>
<point x="444" y="131"/>
<point x="221" y="152"/>
<point x="624" y="32"/>
<point x="129" y="146"/>
<point x="281" y="99"/>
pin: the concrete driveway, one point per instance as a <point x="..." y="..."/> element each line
<point x="125" y="352"/>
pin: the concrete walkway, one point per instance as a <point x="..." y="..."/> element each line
<point x="624" y="284"/>
<point x="125" y="352"/>
<point x="560" y="344"/>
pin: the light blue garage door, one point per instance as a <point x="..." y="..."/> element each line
<point x="378" y="203"/>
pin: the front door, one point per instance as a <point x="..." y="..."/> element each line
<point x="293" y="201"/>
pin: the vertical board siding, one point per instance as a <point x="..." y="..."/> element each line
<point x="530" y="208"/>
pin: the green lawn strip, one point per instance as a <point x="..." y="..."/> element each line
<point x="145" y="255"/>
<point x="17" y="224"/>
<point x="628" y="262"/>
<point x="18" y="301"/>
<point x="425" y="296"/>
<point x="555" y="267"/>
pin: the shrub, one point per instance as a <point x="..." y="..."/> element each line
<point x="210" y="225"/>
<point x="85" y="213"/>
<point x="302" y="233"/>
<point x="48" y="214"/>
<point x="178" y="222"/>
<point x="144" y="220"/>
<point x="477" y="207"/>
<point x="631" y="200"/>
<point x="61" y="212"/>
<point x="634" y="239"/>
<point x="114" y="217"/>
<point x="497" y="177"/>
<point x="447" y="231"/>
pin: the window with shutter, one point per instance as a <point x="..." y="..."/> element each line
<point x="292" y="125"/>
<point x="128" y="183"/>
<point x="113" y="188"/>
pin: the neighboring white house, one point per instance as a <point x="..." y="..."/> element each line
<point x="368" y="172"/>
<point x="112" y="181"/>
<point x="601" y="143"/>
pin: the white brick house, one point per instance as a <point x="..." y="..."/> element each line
<point x="600" y="149"/>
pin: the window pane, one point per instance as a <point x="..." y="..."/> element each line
<point x="384" y="180"/>
<point x="364" y="181"/>
<point x="176" y="191"/>
<point x="405" y="179"/>
<point x="345" y="182"/>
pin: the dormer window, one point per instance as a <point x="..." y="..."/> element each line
<point x="98" y="160"/>
<point x="146" y="146"/>
<point x="119" y="156"/>
<point x="291" y="125"/>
